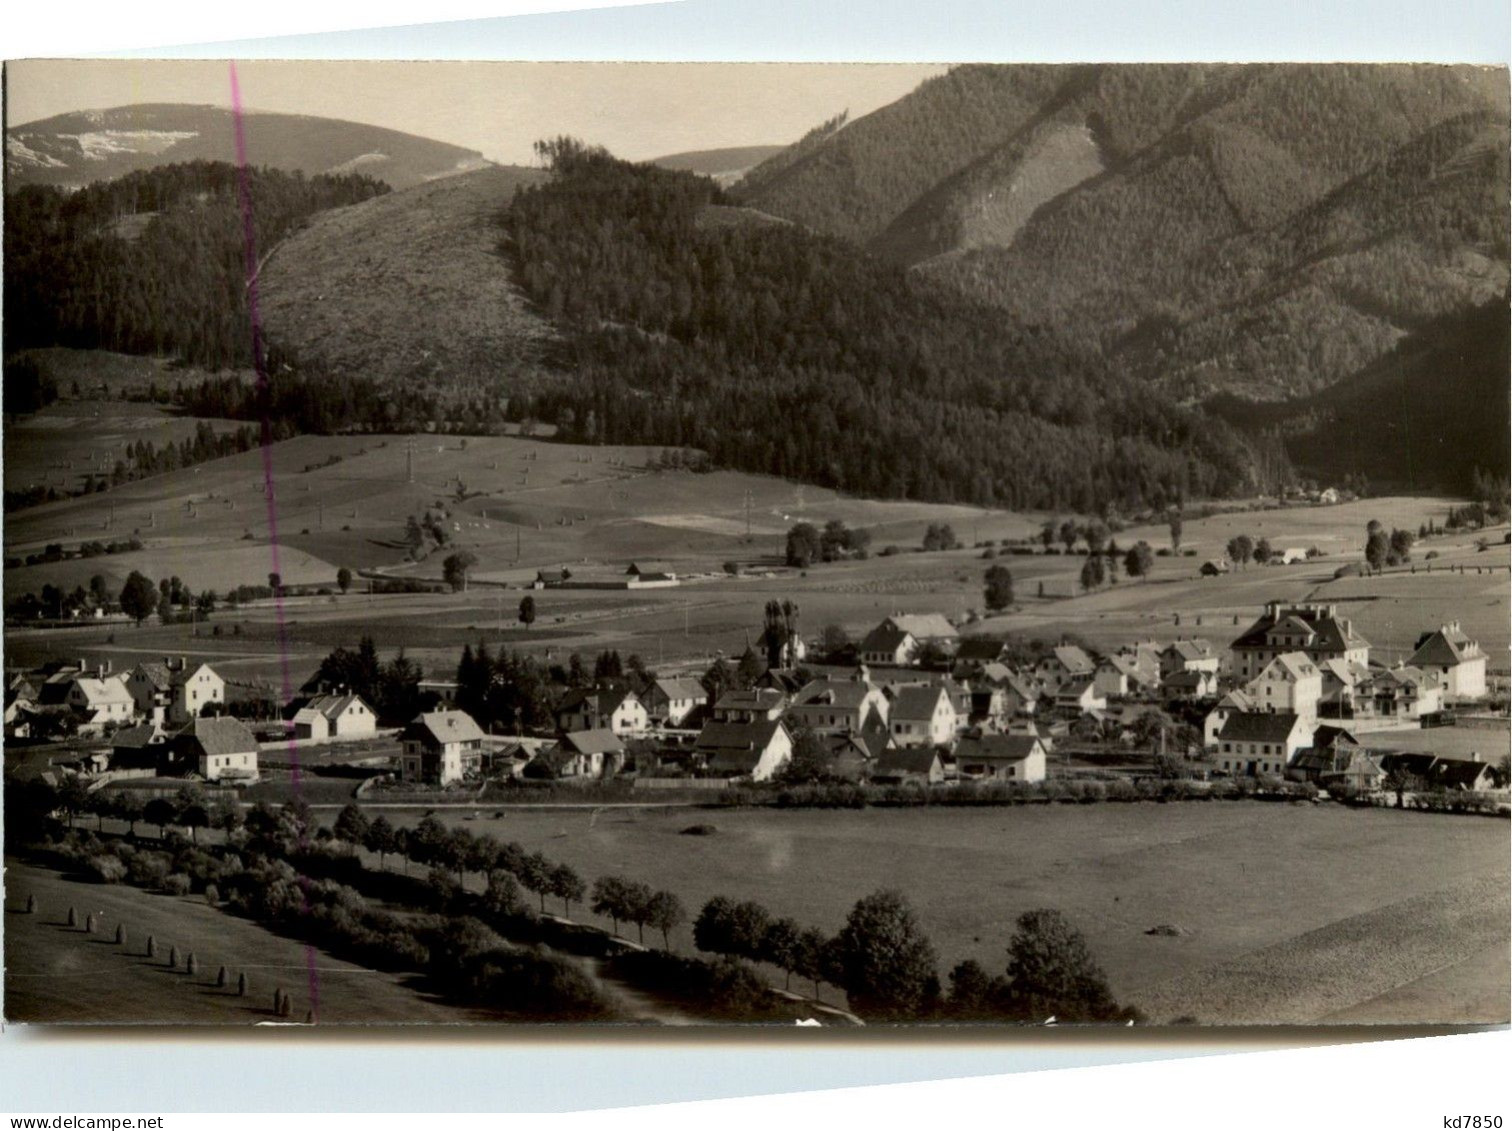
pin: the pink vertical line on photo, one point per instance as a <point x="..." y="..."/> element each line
<point x="264" y="382"/>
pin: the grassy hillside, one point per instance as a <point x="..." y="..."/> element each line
<point x="72" y="150"/>
<point x="1263" y="229"/>
<point x="409" y="288"/>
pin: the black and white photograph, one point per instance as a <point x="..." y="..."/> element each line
<point x="992" y="547"/>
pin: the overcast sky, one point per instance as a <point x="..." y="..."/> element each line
<point x="638" y="110"/>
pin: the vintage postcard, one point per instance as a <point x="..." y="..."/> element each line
<point x="755" y="544"/>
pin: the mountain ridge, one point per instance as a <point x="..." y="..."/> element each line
<point x="80" y="147"/>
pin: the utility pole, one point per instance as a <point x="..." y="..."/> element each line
<point x="409" y="459"/>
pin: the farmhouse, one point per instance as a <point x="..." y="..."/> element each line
<point x="99" y="703"/>
<point x="579" y="754"/>
<point x="888" y="644"/>
<point x="975" y="651"/>
<point x="755" y="750"/>
<point x="441" y="748"/>
<point x="1117" y="677"/>
<point x="909" y="766"/>
<point x="140" y="747"/>
<point x="670" y="701"/>
<point x="760" y="704"/>
<point x="335" y="716"/>
<point x="922" y="716"/>
<point x="927" y="628"/>
<point x="1317" y="630"/>
<point x="839" y="704"/>
<point x="1190" y="687"/>
<point x="217" y="749"/>
<point x="1233" y="703"/>
<point x="1062" y="664"/>
<point x="551" y="578"/>
<point x="853" y="757"/>
<point x="1459" y="661"/>
<point x="1261" y="743"/>
<point x="1290" y="683"/>
<point x="1079" y="696"/>
<point x="617" y="708"/>
<point x="1188" y="656"/>
<point x="1004" y="757"/>
<point x="1340" y="764"/>
<point x="172" y="691"/>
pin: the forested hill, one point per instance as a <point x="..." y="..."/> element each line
<point x="1265" y="230"/>
<point x="155" y="261"/>
<point x="685" y="321"/>
<point x="81" y="148"/>
<point x="1430" y="414"/>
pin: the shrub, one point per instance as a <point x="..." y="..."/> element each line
<point x="107" y="869"/>
<point x="177" y="884"/>
<point x="212" y="894"/>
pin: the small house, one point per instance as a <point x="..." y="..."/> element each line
<point x="922" y="716"/>
<point x="902" y="765"/>
<point x="670" y="701"/>
<point x="753" y="751"/>
<point x="1001" y="757"/>
<point x="335" y="716"/>
<point x="217" y="749"/>
<point x="588" y="754"/>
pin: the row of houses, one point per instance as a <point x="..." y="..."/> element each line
<point x="1302" y="665"/>
<point x="168" y="692"/>
<point x="448" y="747"/>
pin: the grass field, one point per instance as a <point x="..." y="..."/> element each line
<point x="57" y="974"/>
<point x="531" y="504"/>
<point x="1347" y="910"/>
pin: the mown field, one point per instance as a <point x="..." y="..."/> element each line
<point x="1286" y="913"/>
<point x="57" y="974"/>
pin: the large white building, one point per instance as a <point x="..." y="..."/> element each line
<point x="1459" y="662"/>
<point x="1316" y="630"/>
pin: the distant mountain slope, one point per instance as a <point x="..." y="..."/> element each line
<point x="91" y="145"/>
<point x="1427" y="415"/>
<point x="1263" y="229"/>
<point x="411" y="289"/>
<point x="725" y="165"/>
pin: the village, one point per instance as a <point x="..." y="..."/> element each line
<point x="916" y="703"/>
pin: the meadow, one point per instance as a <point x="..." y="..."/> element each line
<point x="608" y="512"/>
<point x="1346" y="913"/>
<point x="57" y="974"/>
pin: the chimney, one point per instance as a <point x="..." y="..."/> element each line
<point x="1475" y="756"/>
